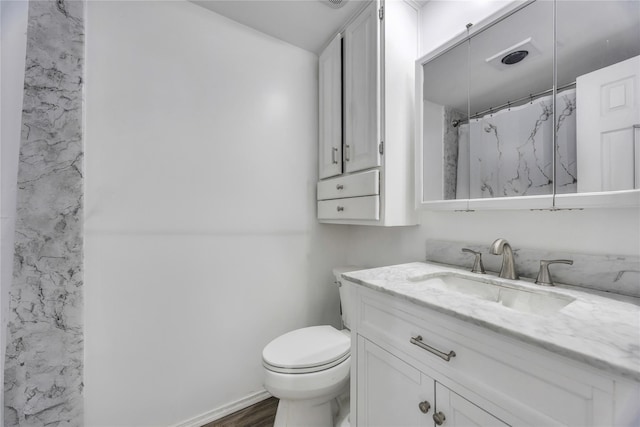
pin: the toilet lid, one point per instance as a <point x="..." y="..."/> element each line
<point x="307" y="350"/>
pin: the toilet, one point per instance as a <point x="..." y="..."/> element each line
<point x="308" y="370"/>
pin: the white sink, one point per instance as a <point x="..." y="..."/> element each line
<point x="520" y="299"/>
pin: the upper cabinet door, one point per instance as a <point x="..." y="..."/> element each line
<point x="362" y="91"/>
<point x="330" y="74"/>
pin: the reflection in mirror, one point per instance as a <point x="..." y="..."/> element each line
<point x="445" y="107"/>
<point x="488" y="111"/>
<point x="492" y="127"/>
<point x="511" y="104"/>
<point x="598" y="43"/>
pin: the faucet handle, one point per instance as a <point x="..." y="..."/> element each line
<point x="478" y="267"/>
<point x="544" y="276"/>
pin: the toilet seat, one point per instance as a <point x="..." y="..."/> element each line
<point x="307" y="350"/>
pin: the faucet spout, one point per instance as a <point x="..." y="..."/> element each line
<point x="502" y="247"/>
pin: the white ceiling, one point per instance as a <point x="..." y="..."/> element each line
<point x="308" y="24"/>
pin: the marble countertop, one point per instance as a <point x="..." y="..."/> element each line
<point x="599" y="331"/>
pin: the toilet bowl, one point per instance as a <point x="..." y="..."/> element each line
<point x="308" y="370"/>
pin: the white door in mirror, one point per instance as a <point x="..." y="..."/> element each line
<point x="607" y="135"/>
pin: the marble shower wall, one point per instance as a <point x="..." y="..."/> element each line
<point x="44" y="357"/>
<point x="511" y="151"/>
<point x="619" y="274"/>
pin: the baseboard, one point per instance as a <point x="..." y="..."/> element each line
<point x="223" y="411"/>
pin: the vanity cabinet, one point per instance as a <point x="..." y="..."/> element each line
<point x="492" y="380"/>
<point x="368" y="124"/>
<point x="389" y="382"/>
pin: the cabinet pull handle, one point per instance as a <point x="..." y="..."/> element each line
<point x="347" y="149"/>
<point x="334" y="155"/>
<point x="424" y="406"/>
<point x="340" y="208"/>
<point x="418" y="341"/>
<point x="439" y="418"/>
<point x="339" y="187"/>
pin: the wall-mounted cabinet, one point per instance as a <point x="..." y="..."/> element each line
<point x="366" y="119"/>
<point x="330" y="110"/>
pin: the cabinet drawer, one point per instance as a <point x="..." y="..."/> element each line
<point x="367" y="208"/>
<point x="487" y="367"/>
<point x="356" y="185"/>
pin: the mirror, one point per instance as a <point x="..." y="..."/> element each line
<point x="496" y="132"/>
<point x="598" y="48"/>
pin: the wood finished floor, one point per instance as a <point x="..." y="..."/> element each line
<point x="262" y="414"/>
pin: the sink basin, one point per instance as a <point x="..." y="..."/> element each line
<point x="524" y="300"/>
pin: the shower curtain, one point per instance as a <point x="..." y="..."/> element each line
<point x="509" y="152"/>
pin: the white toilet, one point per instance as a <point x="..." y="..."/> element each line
<point x="308" y="370"/>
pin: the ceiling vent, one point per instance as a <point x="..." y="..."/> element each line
<point x="334" y="4"/>
<point x="514" y="54"/>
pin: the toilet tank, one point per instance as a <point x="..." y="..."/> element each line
<point x="345" y="293"/>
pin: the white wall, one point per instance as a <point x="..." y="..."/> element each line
<point x="593" y="231"/>
<point x="13" y="39"/>
<point x="201" y="241"/>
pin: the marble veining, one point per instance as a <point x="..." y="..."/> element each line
<point x="44" y="357"/>
<point x="598" y="331"/>
<point x="511" y="150"/>
<point x="616" y="274"/>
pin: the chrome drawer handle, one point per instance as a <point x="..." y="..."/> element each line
<point x="339" y="187"/>
<point x="418" y="341"/>
<point x="334" y="155"/>
<point x="340" y="208"/>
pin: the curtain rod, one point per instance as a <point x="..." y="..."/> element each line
<point x="456" y="123"/>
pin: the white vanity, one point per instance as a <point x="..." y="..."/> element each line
<point x="436" y="345"/>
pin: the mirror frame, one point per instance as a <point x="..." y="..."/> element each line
<point x="604" y="199"/>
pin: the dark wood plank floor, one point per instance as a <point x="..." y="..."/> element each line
<point x="262" y="414"/>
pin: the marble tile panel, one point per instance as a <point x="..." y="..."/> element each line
<point x="44" y="357"/>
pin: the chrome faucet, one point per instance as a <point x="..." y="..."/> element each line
<point x="508" y="270"/>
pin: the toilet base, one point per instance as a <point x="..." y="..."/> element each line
<point x="313" y="412"/>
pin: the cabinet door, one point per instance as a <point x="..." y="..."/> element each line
<point x="458" y="411"/>
<point x="330" y="93"/>
<point x="390" y="391"/>
<point x="362" y="91"/>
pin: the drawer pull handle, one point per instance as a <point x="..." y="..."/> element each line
<point x="347" y="152"/>
<point x="439" y="418"/>
<point x="339" y="187"/>
<point x="424" y="406"/>
<point x="418" y="341"/>
<point x="334" y="155"/>
<point x="340" y="208"/>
